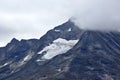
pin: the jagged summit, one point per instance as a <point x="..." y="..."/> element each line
<point x="63" y="53"/>
<point x="14" y="40"/>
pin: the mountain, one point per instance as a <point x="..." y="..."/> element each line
<point x="63" y="53"/>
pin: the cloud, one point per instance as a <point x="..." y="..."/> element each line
<point x="25" y="19"/>
<point x="5" y="33"/>
<point x="97" y="14"/>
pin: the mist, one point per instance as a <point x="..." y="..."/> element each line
<point x="97" y="14"/>
<point x="26" y="19"/>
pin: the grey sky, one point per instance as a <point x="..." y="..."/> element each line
<point x="24" y="19"/>
<point x="97" y="14"/>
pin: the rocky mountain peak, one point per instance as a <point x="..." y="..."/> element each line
<point x="63" y="53"/>
<point x="14" y="41"/>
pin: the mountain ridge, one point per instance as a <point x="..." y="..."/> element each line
<point x="94" y="57"/>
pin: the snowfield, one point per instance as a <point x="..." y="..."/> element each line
<point x="59" y="46"/>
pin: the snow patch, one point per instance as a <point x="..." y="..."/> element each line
<point x="59" y="70"/>
<point x="27" y="58"/>
<point x="69" y="29"/>
<point x="38" y="60"/>
<point x="59" y="46"/>
<point x="5" y="64"/>
<point x="1" y="66"/>
<point x="16" y="66"/>
<point x="57" y="30"/>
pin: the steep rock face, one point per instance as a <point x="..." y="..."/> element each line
<point x="68" y="31"/>
<point x="12" y="55"/>
<point x="21" y="56"/>
<point x="16" y="48"/>
<point x="96" y="56"/>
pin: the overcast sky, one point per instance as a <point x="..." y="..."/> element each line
<point x="97" y="14"/>
<point x="25" y="19"/>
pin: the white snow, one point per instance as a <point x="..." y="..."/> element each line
<point x="69" y="29"/>
<point x="16" y="66"/>
<point x="59" y="70"/>
<point x="58" y="46"/>
<point x="4" y="65"/>
<point x="38" y="60"/>
<point x="57" y="30"/>
<point x="27" y="58"/>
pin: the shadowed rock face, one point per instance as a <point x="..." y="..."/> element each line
<point x="95" y="57"/>
<point x="14" y="53"/>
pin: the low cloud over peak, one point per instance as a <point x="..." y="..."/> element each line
<point x="97" y="14"/>
<point x="24" y="19"/>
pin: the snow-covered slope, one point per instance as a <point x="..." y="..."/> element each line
<point x="96" y="56"/>
<point x="59" y="46"/>
<point x="22" y="55"/>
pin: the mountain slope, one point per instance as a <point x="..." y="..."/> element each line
<point x="63" y="53"/>
<point x="22" y="54"/>
<point x="95" y="57"/>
